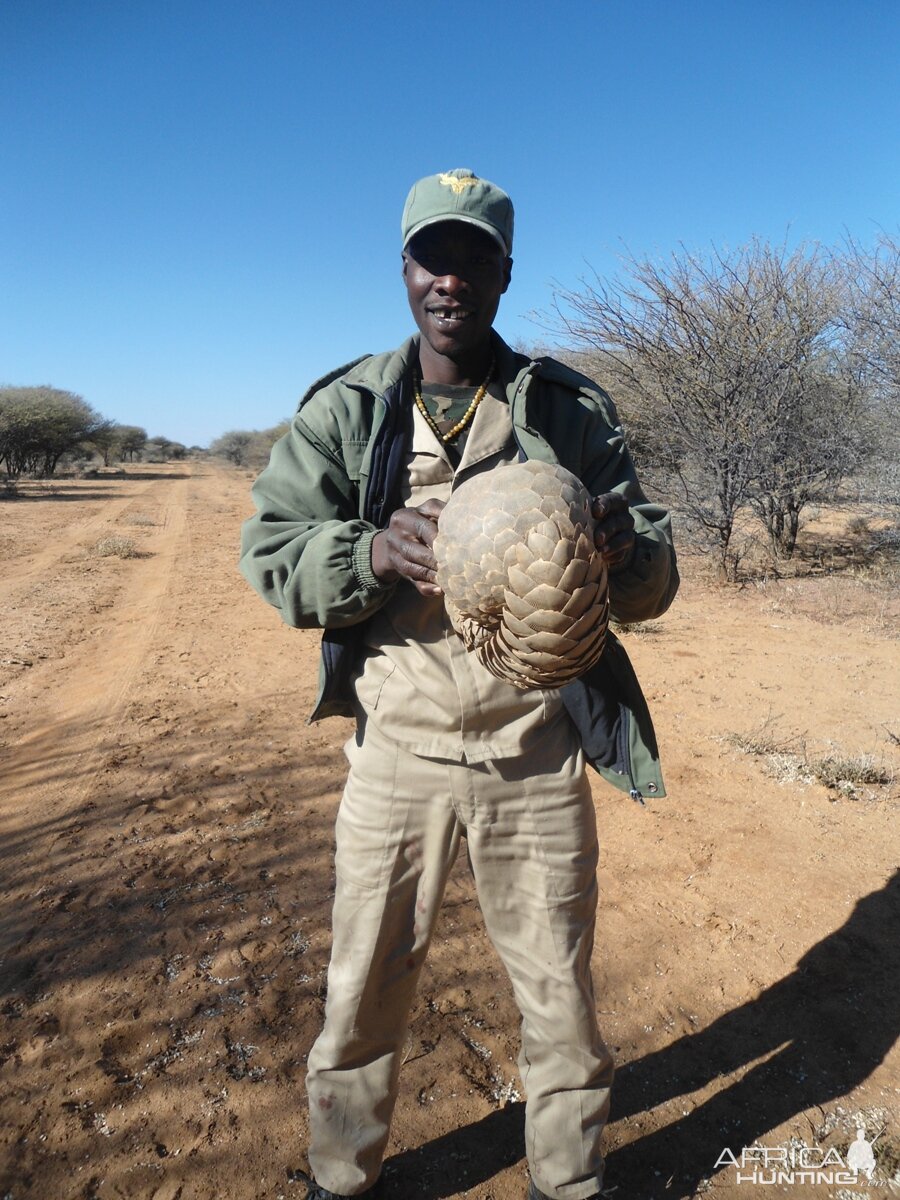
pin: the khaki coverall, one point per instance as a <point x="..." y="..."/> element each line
<point x="443" y="751"/>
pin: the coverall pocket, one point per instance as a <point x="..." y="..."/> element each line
<point x="370" y="683"/>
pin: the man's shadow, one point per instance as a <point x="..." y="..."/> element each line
<point x="822" y="1030"/>
<point x="825" y="1028"/>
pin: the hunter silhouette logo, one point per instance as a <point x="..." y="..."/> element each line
<point x="861" y="1156"/>
<point x="458" y="183"/>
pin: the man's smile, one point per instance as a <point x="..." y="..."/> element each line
<point x="447" y="317"/>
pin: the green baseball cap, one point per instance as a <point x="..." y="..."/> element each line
<point x="459" y="195"/>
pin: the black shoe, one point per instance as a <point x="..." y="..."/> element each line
<point x="315" y="1191"/>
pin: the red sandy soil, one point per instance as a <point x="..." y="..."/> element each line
<point x="166" y="869"/>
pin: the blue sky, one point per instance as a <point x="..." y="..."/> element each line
<point x="200" y="200"/>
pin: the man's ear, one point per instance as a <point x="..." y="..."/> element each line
<point x="507" y="273"/>
<point x="405" y="258"/>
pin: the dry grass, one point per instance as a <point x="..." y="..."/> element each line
<point x="140" y="519"/>
<point x="766" y="741"/>
<point x="848" y="773"/>
<point x="867" y="598"/>
<point x="641" y="629"/>
<point x="786" y="758"/>
<point x="114" y="546"/>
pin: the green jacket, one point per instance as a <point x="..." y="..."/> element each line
<point x="332" y="482"/>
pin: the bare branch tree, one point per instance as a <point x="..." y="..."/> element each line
<point x="732" y="356"/>
<point x="871" y="326"/>
<point x="872" y="311"/>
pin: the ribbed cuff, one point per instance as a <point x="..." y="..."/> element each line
<point x="361" y="563"/>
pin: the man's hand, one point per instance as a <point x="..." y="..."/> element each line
<point x="614" y="532"/>
<point x="403" y="550"/>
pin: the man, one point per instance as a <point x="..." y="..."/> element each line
<point x="347" y="513"/>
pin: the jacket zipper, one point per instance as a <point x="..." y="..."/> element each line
<point x="625" y="750"/>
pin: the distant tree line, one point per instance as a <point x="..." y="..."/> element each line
<point x="41" y="427"/>
<point x="248" y="447"/>
<point x="750" y="381"/>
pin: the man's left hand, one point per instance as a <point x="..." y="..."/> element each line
<point x="614" y="531"/>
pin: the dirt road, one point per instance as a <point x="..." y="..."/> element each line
<point x="166" y="832"/>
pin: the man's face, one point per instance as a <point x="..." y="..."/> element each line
<point x="455" y="275"/>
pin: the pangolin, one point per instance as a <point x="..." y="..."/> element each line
<point x="523" y="583"/>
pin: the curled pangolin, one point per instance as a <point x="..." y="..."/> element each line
<point x="523" y="583"/>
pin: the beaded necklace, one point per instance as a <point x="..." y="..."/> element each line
<point x="467" y="415"/>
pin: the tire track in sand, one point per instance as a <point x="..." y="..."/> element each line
<point x="24" y="570"/>
<point x="75" y="706"/>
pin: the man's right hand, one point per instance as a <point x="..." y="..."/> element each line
<point x="403" y="550"/>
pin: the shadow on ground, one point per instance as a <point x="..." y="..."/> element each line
<point x="821" y="1030"/>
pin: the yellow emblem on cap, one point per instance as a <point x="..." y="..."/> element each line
<point x="457" y="182"/>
